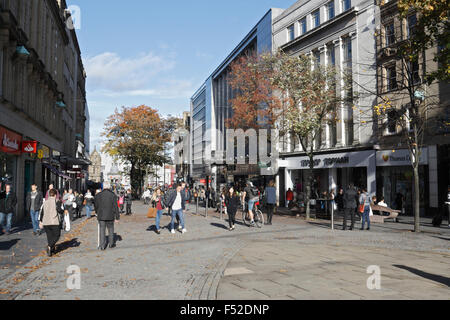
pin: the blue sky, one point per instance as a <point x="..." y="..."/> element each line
<point x="157" y="53"/>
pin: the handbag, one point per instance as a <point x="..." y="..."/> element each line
<point x="151" y="213"/>
<point x="361" y="208"/>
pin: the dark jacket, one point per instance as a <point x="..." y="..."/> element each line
<point x="232" y="203"/>
<point x="37" y="201"/>
<point x="106" y="207"/>
<point x="340" y="201"/>
<point x="172" y="196"/>
<point x="8" y="204"/>
<point x="351" y="198"/>
<point x="187" y="194"/>
<point x="128" y="199"/>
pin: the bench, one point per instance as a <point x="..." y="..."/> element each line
<point x="393" y="214"/>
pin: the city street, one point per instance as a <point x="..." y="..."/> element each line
<point x="291" y="259"/>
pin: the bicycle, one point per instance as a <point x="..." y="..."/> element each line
<point x="258" y="216"/>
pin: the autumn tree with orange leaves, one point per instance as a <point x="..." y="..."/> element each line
<point x="138" y="136"/>
<point x="254" y="104"/>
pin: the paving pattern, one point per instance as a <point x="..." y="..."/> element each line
<point x="291" y="259"/>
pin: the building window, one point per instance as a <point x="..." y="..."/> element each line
<point x="302" y="26"/>
<point x="332" y="55"/>
<point x="414" y="69"/>
<point x="412" y="22"/>
<point x="291" y="33"/>
<point x="330" y="10"/>
<point x="348" y="51"/>
<point x="316" y="18"/>
<point x="317" y="58"/>
<point x="391" y="122"/>
<point x="389" y="34"/>
<point x="346" y="4"/>
<point x="391" y="74"/>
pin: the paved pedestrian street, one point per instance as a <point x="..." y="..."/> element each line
<point x="291" y="259"/>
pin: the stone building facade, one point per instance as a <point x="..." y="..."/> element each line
<point x="42" y="98"/>
<point x="95" y="169"/>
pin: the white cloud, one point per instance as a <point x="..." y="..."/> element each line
<point x="108" y="71"/>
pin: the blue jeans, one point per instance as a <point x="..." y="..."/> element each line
<point x="365" y="216"/>
<point x="88" y="211"/>
<point x="8" y="217"/>
<point x="158" y="218"/>
<point x="180" y="215"/>
<point x="35" y="220"/>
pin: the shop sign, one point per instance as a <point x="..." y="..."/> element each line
<point x="44" y="152"/>
<point x="399" y="157"/>
<point x="337" y="160"/>
<point x="10" y="142"/>
<point x="29" y="147"/>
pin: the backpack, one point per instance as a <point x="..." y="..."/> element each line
<point x="254" y="191"/>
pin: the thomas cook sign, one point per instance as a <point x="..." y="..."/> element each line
<point x="399" y="157"/>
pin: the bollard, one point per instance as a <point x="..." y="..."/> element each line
<point x="206" y="208"/>
<point x="196" y="207"/>
<point x="332" y="216"/>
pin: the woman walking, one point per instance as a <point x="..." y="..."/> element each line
<point x="232" y="203"/>
<point x="89" y="202"/>
<point x="50" y="218"/>
<point x="158" y="203"/>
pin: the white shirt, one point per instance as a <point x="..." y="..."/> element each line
<point x="177" y="204"/>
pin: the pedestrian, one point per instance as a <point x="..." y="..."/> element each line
<point x="69" y="203"/>
<point x="89" y="202"/>
<point x="8" y="201"/>
<point x="340" y="202"/>
<point x="289" y="197"/>
<point x="448" y="205"/>
<point x="34" y="202"/>
<point x="107" y="212"/>
<point x="187" y="193"/>
<point x="250" y="196"/>
<point x="177" y="203"/>
<point x="147" y="196"/>
<point x="50" y="220"/>
<point x="121" y="200"/>
<point x="50" y="187"/>
<point x="128" y="202"/>
<point x="399" y="202"/>
<point x="158" y="203"/>
<point x="271" y="200"/>
<point x="364" y="208"/>
<point x="79" y="204"/>
<point x="350" y="204"/>
<point x="232" y="203"/>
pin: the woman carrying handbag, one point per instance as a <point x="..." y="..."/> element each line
<point x="50" y="221"/>
<point x="364" y="208"/>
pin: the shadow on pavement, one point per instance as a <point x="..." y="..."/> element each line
<point x="219" y="225"/>
<point x="6" y="245"/>
<point x="426" y="275"/>
<point x="67" y="245"/>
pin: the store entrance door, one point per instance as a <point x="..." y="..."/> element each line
<point x="29" y="177"/>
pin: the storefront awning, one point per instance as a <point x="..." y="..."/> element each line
<point x="56" y="171"/>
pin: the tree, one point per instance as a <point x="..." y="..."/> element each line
<point x="138" y="136"/>
<point x="432" y="30"/>
<point x="309" y="100"/>
<point x="254" y="104"/>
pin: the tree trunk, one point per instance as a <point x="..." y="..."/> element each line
<point x="416" y="198"/>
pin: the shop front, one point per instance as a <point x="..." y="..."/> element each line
<point x="331" y="171"/>
<point x="10" y="150"/>
<point x="395" y="179"/>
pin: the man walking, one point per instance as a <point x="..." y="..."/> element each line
<point x="107" y="211"/>
<point x="271" y="200"/>
<point x="187" y="193"/>
<point x="350" y="203"/>
<point x="34" y="202"/>
<point x="177" y="202"/>
<point x="8" y="201"/>
<point x="128" y="202"/>
<point x="50" y="187"/>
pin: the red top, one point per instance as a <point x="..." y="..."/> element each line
<point x="158" y="205"/>
<point x="289" y="195"/>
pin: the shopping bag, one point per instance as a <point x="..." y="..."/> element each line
<point x="151" y="213"/>
<point x="67" y="222"/>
